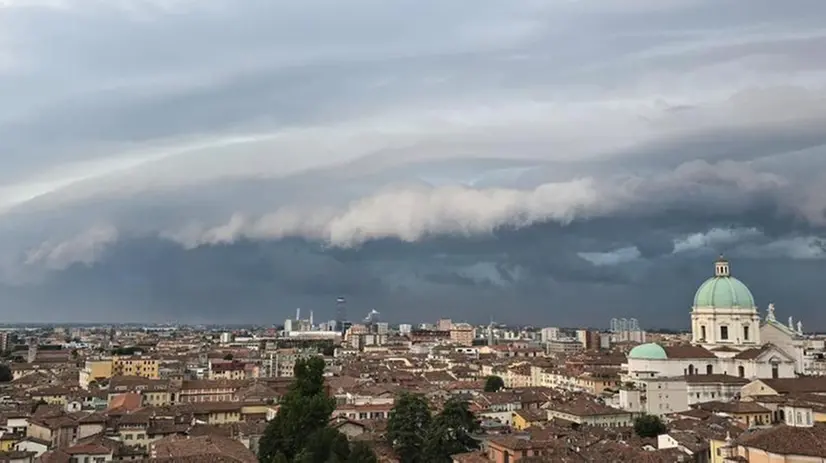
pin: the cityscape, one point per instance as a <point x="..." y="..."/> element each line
<point x="740" y="384"/>
<point x="321" y="231"/>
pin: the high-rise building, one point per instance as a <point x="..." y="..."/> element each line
<point x="6" y="341"/>
<point x="405" y="329"/>
<point x="382" y="328"/>
<point x="462" y="334"/>
<point x="626" y="330"/>
<point x="444" y="324"/>
<point x="550" y="333"/>
<point x="590" y="340"/>
<point x="341" y="313"/>
<point x="33" y="343"/>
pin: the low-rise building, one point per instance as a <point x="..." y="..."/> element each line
<point x="589" y="412"/>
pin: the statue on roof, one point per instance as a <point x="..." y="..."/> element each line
<point x="800" y="327"/>
<point x="770" y="315"/>
<point x="791" y="323"/>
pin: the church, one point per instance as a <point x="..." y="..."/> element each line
<point x="728" y="337"/>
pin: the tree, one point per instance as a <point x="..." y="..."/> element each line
<point x="5" y="373"/>
<point x="649" y="426"/>
<point x="126" y="351"/>
<point x="494" y="384"/>
<point x="362" y="453"/>
<point x="451" y="432"/>
<point x="326" y="445"/>
<point x="408" y="426"/>
<point x="304" y="410"/>
<point x="300" y="432"/>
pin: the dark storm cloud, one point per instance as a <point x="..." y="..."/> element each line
<point x="225" y="160"/>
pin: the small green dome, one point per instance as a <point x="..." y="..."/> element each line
<point x="725" y="293"/>
<point x="650" y="351"/>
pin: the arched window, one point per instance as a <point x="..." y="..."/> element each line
<point x="691" y="369"/>
<point x="709" y="369"/>
<point x="775" y="371"/>
<point x="741" y="371"/>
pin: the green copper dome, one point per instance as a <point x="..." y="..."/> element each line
<point x="724" y="293"/>
<point x="648" y="351"/>
<point x="723" y="290"/>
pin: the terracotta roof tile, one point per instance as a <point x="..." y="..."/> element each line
<point x="207" y="448"/>
<point x="687" y="351"/>
<point x="788" y="440"/>
<point x="797" y="385"/>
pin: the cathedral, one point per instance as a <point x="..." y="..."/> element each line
<point x="728" y="336"/>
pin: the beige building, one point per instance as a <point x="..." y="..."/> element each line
<point x="590" y="412"/>
<point x="462" y="334"/>
<point x="136" y="365"/>
<point x="95" y="370"/>
<point x="444" y="324"/>
<point x="798" y="440"/>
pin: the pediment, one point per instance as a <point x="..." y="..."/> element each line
<point x="770" y="351"/>
<point x="779" y="327"/>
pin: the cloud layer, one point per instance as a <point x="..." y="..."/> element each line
<point x="479" y="157"/>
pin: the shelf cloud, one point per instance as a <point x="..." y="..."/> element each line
<point x="184" y="156"/>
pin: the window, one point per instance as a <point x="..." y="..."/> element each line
<point x="709" y="369"/>
<point x="746" y="333"/>
<point x="703" y="332"/>
<point x="775" y="371"/>
<point x="741" y="371"/>
<point x="724" y="333"/>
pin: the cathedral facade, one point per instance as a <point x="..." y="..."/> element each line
<point x="728" y="337"/>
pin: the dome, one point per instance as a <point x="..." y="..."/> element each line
<point x="650" y="351"/>
<point x="723" y="290"/>
<point x="725" y="293"/>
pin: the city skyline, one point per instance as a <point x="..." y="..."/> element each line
<point x="544" y="163"/>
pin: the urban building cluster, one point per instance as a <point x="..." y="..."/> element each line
<point x="741" y="386"/>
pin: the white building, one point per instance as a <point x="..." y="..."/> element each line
<point x="550" y="333"/>
<point x="662" y="395"/>
<point x="728" y="338"/>
<point x="657" y="396"/>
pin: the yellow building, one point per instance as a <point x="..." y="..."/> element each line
<point x="7" y="441"/>
<point x="779" y="444"/>
<point x="157" y="397"/>
<point x="55" y="395"/>
<point x="135" y="365"/>
<point x="95" y="370"/>
<point x="525" y="418"/>
<point x="748" y="413"/>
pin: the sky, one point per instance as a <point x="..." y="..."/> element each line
<point x="540" y="162"/>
